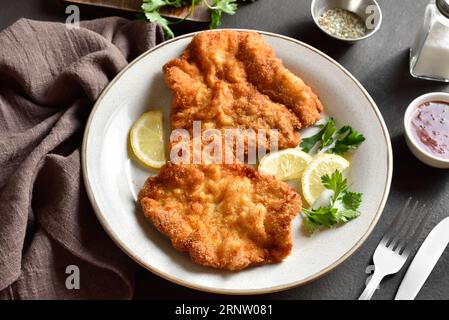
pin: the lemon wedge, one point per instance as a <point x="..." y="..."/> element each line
<point x="146" y="139"/>
<point x="325" y="164"/>
<point x="285" y="165"/>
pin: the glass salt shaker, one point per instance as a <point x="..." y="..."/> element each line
<point x="429" y="57"/>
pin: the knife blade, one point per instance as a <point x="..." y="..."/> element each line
<point x="425" y="260"/>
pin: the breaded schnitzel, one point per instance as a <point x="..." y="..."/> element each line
<point x="226" y="216"/>
<point x="232" y="79"/>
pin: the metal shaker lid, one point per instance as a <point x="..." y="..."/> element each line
<point x="443" y="6"/>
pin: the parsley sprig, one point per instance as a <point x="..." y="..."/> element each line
<point x="331" y="140"/>
<point x="343" y="207"/>
<point x="151" y="10"/>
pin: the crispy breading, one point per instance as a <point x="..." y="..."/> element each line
<point x="226" y="216"/>
<point x="270" y="76"/>
<point x="232" y="79"/>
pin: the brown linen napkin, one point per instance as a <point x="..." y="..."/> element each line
<point x="50" y="77"/>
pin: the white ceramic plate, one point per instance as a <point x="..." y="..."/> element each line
<point x="113" y="180"/>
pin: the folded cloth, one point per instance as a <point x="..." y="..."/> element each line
<point x="50" y="77"/>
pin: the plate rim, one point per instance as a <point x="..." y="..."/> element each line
<point x="236" y="292"/>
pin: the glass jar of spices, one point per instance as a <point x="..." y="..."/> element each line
<point x="430" y="52"/>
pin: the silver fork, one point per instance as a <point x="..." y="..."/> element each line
<point x="396" y="245"/>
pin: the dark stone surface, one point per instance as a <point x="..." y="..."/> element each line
<point x="381" y="64"/>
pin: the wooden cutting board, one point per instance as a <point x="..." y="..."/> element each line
<point x="200" y="13"/>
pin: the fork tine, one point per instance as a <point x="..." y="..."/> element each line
<point x="413" y="222"/>
<point x="408" y="245"/>
<point x="404" y="223"/>
<point x="396" y="220"/>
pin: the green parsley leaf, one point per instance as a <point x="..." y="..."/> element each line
<point x="332" y="141"/>
<point x="153" y="5"/>
<point x="327" y="131"/>
<point x="226" y="6"/>
<point x="336" y="183"/>
<point x="352" y="199"/>
<point x="151" y="10"/>
<point x="321" y="217"/>
<point x="347" y="139"/>
<point x="215" y="18"/>
<point x="218" y="7"/>
<point x="155" y="17"/>
<point x="328" y="134"/>
<point x="342" y="209"/>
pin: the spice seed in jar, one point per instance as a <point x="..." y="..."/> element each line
<point x="342" y="23"/>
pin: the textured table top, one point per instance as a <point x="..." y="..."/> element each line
<point x="381" y="64"/>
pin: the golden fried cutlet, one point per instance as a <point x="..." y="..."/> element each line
<point x="232" y="79"/>
<point x="226" y="216"/>
<point x="269" y="75"/>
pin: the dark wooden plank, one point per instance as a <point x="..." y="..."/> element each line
<point x="199" y="14"/>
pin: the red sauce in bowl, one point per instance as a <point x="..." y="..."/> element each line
<point x="430" y="127"/>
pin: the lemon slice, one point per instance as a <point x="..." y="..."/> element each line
<point x="325" y="164"/>
<point x="146" y="139"/>
<point x="285" y="165"/>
